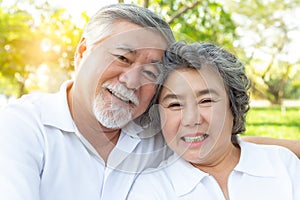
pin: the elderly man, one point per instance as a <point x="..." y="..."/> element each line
<point x="88" y="140"/>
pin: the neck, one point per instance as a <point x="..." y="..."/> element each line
<point x="222" y="168"/>
<point x="226" y="162"/>
<point x="103" y="142"/>
<point x="101" y="138"/>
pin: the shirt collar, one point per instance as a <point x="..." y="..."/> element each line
<point x="61" y="118"/>
<point x="261" y="167"/>
<point x="132" y="129"/>
<point x="55" y="110"/>
<point x="184" y="176"/>
<point x="126" y="144"/>
<point x="56" y="113"/>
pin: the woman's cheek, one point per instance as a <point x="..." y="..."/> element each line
<point x="170" y="122"/>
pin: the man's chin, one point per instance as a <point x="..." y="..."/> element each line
<point x="113" y="125"/>
<point x="112" y="116"/>
<point x="112" y="121"/>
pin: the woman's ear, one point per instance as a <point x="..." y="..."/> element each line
<point x="80" y="49"/>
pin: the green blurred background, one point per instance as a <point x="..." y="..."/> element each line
<point x="38" y="39"/>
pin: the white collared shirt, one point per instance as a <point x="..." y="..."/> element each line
<point x="263" y="173"/>
<point x="44" y="157"/>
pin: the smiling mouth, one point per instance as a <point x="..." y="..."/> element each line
<point x="191" y="139"/>
<point x="122" y="93"/>
<point x="120" y="97"/>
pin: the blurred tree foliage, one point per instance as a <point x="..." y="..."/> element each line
<point x="16" y="38"/>
<point x="35" y="43"/>
<point x="257" y="31"/>
<point x="267" y="30"/>
<point x="196" y="20"/>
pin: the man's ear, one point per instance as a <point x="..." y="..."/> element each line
<point x="80" y="49"/>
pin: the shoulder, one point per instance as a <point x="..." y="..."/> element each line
<point x="271" y="150"/>
<point x="274" y="154"/>
<point x="162" y="180"/>
<point x="150" y="150"/>
<point x="24" y="118"/>
<point x="20" y="110"/>
<point x="26" y="110"/>
<point x="32" y="112"/>
<point x="29" y="101"/>
<point x="31" y="106"/>
<point x="21" y="120"/>
<point x="151" y="184"/>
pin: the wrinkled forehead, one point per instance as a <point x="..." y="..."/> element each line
<point x="135" y="36"/>
<point x="207" y="76"/>
<point x="140" y="39"/>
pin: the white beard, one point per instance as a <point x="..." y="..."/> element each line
<point x="111" y="115"/>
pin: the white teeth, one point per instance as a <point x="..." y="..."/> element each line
<point x="122" y="92"/>
<point x="195" y="138"/>
<point x="120" y="96"/>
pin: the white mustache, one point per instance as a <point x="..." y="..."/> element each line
<point x="122" y="92"/>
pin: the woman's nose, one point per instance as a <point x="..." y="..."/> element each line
<point x="191" y="116"/>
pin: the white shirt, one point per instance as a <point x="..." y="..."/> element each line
<point x="263" y="173"/>
<point x="44" y="157"/>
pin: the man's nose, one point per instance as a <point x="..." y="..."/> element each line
<point x="131" y="78"/>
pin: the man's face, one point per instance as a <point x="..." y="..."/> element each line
<point x="116" y="78"/>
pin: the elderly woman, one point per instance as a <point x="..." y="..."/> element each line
<point x="202" y="108"/>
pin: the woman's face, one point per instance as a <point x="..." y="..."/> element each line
<point x="195" y="115"/>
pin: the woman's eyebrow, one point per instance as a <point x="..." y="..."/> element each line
<point x="199" y="93"/>
<point x="206" y="91"/>
<point x="170" y="96"/>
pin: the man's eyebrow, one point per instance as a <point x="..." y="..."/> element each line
<point x="158" y="62"/>
<point x="126" y="48"/>
<point x="131" y="50"/>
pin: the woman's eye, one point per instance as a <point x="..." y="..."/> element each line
<point x="206" y="101"/>
<point x="174" y="105"/>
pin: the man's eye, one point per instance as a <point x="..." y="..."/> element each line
<point x="150" y="75"/>
<point x="122" y="58"/>
<point x="150" y="72"/>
